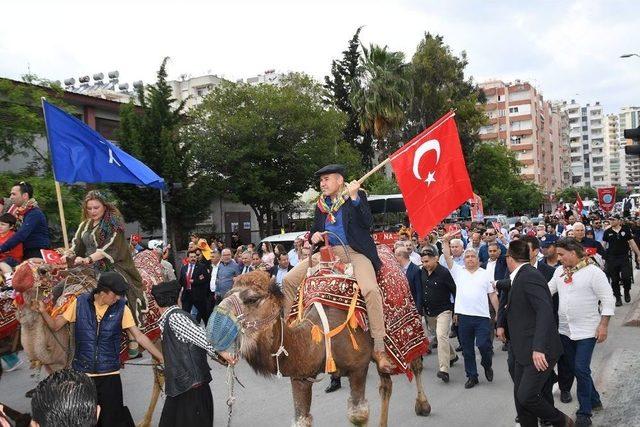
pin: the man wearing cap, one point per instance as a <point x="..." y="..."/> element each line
<point x="189" y="401"/>
<point x="100" y="316"/>
<point x="619" y="240"/>
<point x="548" y="248"/>
<point x="168" y="273"/>
<point x="343" y="210"/>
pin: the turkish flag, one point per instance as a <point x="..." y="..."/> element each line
<point x="50" y="256"/>
<point x="607" y="198"/>
<point x="432" y="174"/>
<point x="579" y="205"/>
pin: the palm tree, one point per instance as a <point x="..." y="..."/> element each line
<point x="381" y="91"/>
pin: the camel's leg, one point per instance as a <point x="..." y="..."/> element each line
<point x="301" y="402"/>
<point x="357" y="406"/>
<point x="158" y="383"/>
<point x="423" y="408"/>
<point x="385" y="389"/>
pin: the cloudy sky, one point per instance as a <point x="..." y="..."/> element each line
<point x="568" y="49"/>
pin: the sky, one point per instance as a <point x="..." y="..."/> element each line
<point x="567" y="49"/>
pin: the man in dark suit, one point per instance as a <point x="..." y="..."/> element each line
<point x="412" y="272"/>
<point x="497" y="262"/>
<point x="534" y="338"/>
<point x="342" y="209"/>
<point x="200" y="292"/>
<point x="186" y="280"/>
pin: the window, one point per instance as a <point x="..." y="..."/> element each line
<point x="584" y="128"/>
<point x="499" y="98"/>
<point x="513" y="110"/>
<point x="585" y="137"/>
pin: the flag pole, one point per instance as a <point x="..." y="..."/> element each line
<point x="163" y="215"/>
<point x="63" y="223"/>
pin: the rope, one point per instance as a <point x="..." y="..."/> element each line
<point x="231" y="399"/>
<point x="281" y="349"/>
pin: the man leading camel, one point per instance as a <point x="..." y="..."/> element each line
<point x="349" y="217"/>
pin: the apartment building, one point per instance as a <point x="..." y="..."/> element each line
<point x="614" y="152"/>
<point x="521" y="119"/>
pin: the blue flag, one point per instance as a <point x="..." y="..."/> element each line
<point x="80" y="154"/>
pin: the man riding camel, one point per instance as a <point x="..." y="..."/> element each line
<point x="343" y="210"/>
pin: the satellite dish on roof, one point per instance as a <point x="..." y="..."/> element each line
<point x="98" y="76"/>
<point x="84" y="79"/>
<point x="138" y="84"/>
<point x="69" y="82"/>
<point x="114" y="74"/>
<point x="123" y="87"/>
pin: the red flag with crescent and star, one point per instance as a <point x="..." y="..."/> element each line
<point x="50" y="256"/>
<point x="432" y="174"/>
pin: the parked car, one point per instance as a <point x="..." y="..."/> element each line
<point x="285" y="239"/>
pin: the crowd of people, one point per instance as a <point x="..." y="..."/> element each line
<point x="546" y="290"/>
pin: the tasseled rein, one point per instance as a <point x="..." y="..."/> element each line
<point x="317" y="333"/>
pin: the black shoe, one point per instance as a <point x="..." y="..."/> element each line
<point x="444" y="376"/>
<point x="433" y="345"/>
<point x="488" y="372"/>
<point x="597" y="407"/>
<point x="459" y="348"/>
<point x="583" y="421"/>
<point x="471" y="382"/>
<point x="335" y="385"/>
<point x="454" y="360"/>
<point x="618" y="301"/>
<point x="565" y="397"/>
<point x="627" y="296"/>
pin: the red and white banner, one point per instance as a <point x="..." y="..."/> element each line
<point x="607" y="198"/>
<point x="432" y="174"/>
<point x="578" y="205"/>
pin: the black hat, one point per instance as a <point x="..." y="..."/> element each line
<point x="114" y="282"/>
<point x="548" y="240"/>
<point x="335" y="168"/>
<point x="166" y="293"/>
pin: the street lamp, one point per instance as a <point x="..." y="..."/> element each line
<point x="629" y="55"/>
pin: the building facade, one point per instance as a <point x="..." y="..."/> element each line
<point x="522" y="120"/>
<point x="193" y="90"/>
<point x="629" y="117"/>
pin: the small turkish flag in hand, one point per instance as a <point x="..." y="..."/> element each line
<point x="432" y="174"/>
<point x="50" y="256"/>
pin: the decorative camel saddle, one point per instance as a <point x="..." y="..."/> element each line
<point x="331" y="283"/>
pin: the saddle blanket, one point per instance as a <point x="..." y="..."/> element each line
<point x="405" y="336"/>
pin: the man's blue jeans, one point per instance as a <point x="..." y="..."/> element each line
<point x="478" y="329"/>
<point x="578" y="354"/>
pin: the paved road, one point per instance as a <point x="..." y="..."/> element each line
<point x="269" y="402"/>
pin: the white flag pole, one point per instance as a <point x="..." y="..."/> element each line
<point x="163" y="215"/>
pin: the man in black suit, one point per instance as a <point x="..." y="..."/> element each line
<point x="534" y="338"/>
<point x="281" y="269"/>
<point x="200" y="292"/>
<point x="342" y="209"/>
<point x="497" y="263"/>
<point x="412" y="272"/>
<point x="186" y="280"/>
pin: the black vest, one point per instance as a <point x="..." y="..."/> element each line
<point x="97" y="344"/>
<point x="185" y="363"/>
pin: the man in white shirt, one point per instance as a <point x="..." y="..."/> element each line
<point x="295" y="252"/>
<point x="586" y="303"/>
<point x="471" y="308"/>
<point x="215" y="262"/>
<point x="246" y="263"/>
<point x="457" y="249"/>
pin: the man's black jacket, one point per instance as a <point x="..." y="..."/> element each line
<point x="357" y="222"/>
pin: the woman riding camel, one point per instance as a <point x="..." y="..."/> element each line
<point x="100" y="242"/>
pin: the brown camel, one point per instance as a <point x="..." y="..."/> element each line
<point x="265" y="333"/>
<point x="52" y="350"/>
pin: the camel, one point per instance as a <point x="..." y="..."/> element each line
<point x="54" y="350"/>
<point x="265" y="334"/>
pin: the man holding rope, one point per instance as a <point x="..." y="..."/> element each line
<point x="343" y="210"/>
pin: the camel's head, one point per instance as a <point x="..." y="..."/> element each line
<point x="27" y="275"/>
<point x="252" y="306"/>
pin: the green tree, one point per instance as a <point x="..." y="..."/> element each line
<point x="45" y="194"/>
<point x="340" y="86"/>
<point x="439" y="85"/>
<point x="152" y="134"/>
<point x="21" y="119"/>
<point x="378" y="183"/>
<point x="264" y="142"/>
<point x="568" y="195"/>
<point x="495" y="176"/>
<point x="381" y="92"/>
